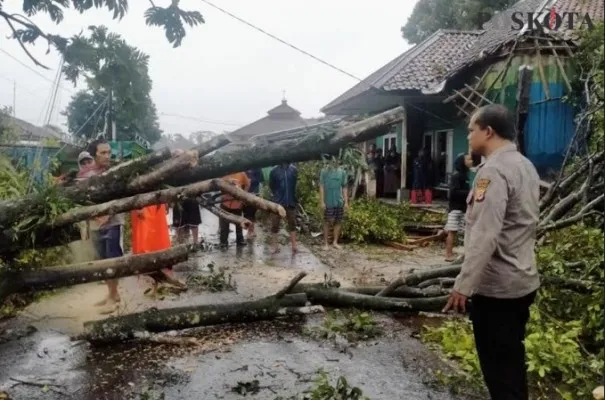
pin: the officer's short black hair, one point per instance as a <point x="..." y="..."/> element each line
<point x="498" y="118"/>
<point x="94" y="145"/>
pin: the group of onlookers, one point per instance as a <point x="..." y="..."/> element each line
<point x="386" y="169"/>
<point x="150" y="230"/>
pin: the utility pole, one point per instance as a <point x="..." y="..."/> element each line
<point x="15" y="99"/>
<point x="110" y="125"/>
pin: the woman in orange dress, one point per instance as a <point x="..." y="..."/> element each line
<point x="150" y="233"/>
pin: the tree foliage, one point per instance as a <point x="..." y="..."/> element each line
<point x="106" y="62"/>
<point x="429" y="16"/>
<point x="172" y="18"/>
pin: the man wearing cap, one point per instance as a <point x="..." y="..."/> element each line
<point x="85" y="161"/>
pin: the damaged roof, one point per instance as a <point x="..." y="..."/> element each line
<point x="417" y="68"/>
<point x="499" y="30"/>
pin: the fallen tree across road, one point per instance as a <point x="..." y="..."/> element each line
<point x="93" y="271"/>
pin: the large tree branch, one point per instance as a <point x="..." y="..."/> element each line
<point x="250" y="198"/>
<point x="56" y="277"/>
<point x="134" y="203"/>
<point x="584" y="212"/>
<point x="237" y="220"/>
<point x="9" y="20"/>
<point x="567" y="203"/>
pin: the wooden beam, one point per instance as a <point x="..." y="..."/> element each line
<point x="475" y="90"/>
<point x="453" y="97"/>
<point x="462" y="110"/>
<point x="541" y="70"/>
<point x="476" y="93"/>
<point x="562" y="68"/>
<point x="466" y="100"/>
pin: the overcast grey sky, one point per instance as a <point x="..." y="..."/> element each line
<point x="225" y="72"/>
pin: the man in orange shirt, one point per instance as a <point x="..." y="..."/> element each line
<point x="230" y="205"/>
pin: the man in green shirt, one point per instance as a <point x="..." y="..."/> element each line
<point x="334" y="198"/>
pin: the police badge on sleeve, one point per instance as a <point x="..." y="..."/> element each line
<point x="481" y="189"/>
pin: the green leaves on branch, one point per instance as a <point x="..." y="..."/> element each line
<point x="172" y="18"/>
<point x="107" y="63"/>
<point x="428" y="16"/>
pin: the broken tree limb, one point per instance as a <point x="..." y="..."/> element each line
<point x="404" y="291"/>
<point x="575" y="285"/>
<point x="134" y="203"/>
<point x="93" y="271"/>
<point x="584" y="212"/>
<point x="237" y="220"/>
<point x="163" y="171"/>
<point x="442" y="282"/>
<point x="340" y="298"/>
<point x="420" y="276"/>
<point x="125" y="327"/>
<point x="288" y="288"/>
<point x="249" y="198"/>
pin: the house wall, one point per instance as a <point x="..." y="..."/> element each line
<point x="550" y="126"/>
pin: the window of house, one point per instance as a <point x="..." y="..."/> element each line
<point x="388" y="142"/>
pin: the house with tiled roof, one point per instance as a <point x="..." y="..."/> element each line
<point x="428" y="122"/>
<point x="441" y="80"/>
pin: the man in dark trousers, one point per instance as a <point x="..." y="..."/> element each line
<point x="499" y="272"/>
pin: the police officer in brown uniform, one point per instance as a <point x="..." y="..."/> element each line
<point x="499" y="272"/>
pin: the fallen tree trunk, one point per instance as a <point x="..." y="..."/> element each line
<point x="108" y="186"/>
<point x="447" y="273"/>
<point x="114" y="183"/>
<point x="442" y="282"/>
<point x="420" y="276"/>
<point x="93" y="271"/>
<point x="317" y="141"/>
<point x="250" y="198"/>
<point x="151" y="179"/>
<point x="125" y="327"/>
<point x="404" y="291"/>
<point x="134" y="203"/>
<point x="12" y="242"/>
<point x="340" y="298"/>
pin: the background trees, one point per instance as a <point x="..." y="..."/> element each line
<point x="109" y="65"/>
<point x="430" y="15"/>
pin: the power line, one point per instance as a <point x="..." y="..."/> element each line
<point x="201" y="120"/>
<point x="342" y="71"/>
<point x="272" y="36"/>
<point x="34" y="71"/>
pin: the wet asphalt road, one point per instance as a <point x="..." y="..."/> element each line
<point x="277" y="354"/>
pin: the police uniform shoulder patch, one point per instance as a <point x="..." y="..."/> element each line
<point x="481" y="189"/>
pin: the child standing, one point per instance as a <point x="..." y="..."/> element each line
<point x="458" y="192"/>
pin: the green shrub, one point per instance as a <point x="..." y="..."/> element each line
<point x="373" y="221"/>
